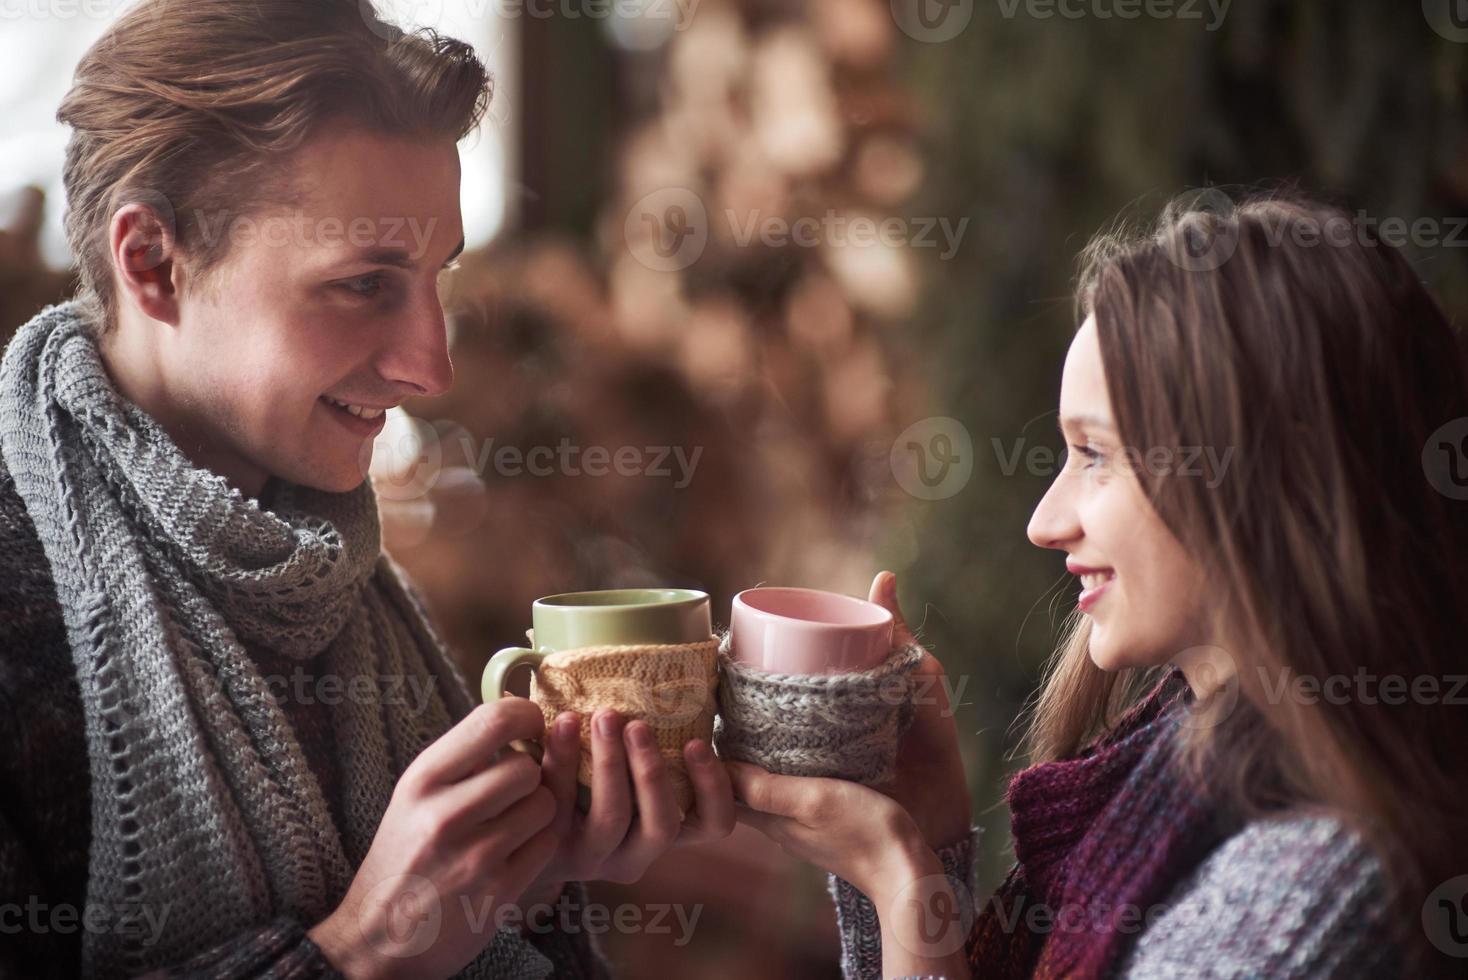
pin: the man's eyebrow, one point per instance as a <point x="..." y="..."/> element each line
<point x="401" y="257"/>
<point x="1083" y="420"/>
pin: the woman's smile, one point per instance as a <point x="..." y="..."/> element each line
<point x="1094" y="582"/>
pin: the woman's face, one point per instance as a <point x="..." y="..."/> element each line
<point x="1143" y="592"/>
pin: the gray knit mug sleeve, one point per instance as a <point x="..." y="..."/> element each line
<point x="844" y="726"/>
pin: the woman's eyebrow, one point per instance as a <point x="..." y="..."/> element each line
<point x="1083" y="420"/>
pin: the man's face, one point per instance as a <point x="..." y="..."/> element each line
<point x="333" y="302"/>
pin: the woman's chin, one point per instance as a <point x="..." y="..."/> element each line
<point x="1106" y="653"/>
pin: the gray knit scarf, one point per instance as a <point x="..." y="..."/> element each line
<point x="203" y="804"/>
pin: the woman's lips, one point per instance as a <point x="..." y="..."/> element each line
<point x="1094" y="583"/>
<point x="1089" y="597"/>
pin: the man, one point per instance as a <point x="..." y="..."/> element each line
<point x="262" y="198"/>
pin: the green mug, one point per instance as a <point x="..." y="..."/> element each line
<point x="608" y="618"/>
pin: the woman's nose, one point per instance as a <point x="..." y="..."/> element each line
<point x="1054" y="523"/>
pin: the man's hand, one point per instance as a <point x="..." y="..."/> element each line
<point x="467" y="830"/>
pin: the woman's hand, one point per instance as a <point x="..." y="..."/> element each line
<point x="467" y="829"/>
<point x="607" y="843"/>
<point x="867" y="838"/>
<point x="931" y="784"/>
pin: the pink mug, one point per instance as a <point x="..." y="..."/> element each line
<point x="807" y="631"/>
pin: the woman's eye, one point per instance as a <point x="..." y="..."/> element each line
<point x="1091" y="456"/>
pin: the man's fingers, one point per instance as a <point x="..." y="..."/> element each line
<point x="471" y="745"/>
<point x="488" y="793"/>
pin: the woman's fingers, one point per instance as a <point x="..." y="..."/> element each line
<point x="611" y="791"/>
<point x="658" y="818"/>
<point x="712" y="817"/>
<point x="769" y="824"/>
<point x="759" y="789"/>
<point x="560" y="764"/>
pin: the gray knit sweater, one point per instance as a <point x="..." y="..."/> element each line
<point x="48" y="838"/>
<point x="1297" y="897"/>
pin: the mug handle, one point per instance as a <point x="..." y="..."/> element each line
<point x="497" y="672"/>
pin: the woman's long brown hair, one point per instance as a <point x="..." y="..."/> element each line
<point x="1286" y="331"/>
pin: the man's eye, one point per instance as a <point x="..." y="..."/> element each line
<point x="365" y="287"/>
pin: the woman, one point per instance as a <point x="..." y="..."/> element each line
<point x="1259" y="406"/>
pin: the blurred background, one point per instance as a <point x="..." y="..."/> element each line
<point x="781" y="291"/>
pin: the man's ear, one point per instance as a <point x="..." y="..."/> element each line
<point x="143" y="241"/>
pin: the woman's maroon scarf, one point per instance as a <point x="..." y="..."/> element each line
<point x="1100" y="841"/>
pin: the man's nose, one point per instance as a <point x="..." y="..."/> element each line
<point x="415" y="355"/>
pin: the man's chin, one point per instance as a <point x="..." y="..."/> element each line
<point x="323" y="475"/>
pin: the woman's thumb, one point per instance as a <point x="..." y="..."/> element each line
<point x="884" y="594"/>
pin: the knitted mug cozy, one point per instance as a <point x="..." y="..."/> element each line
<point x="844" y="725"/>
<point x="669" y="686"/>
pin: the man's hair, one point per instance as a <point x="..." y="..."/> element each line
<point x="191" y="107"/>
